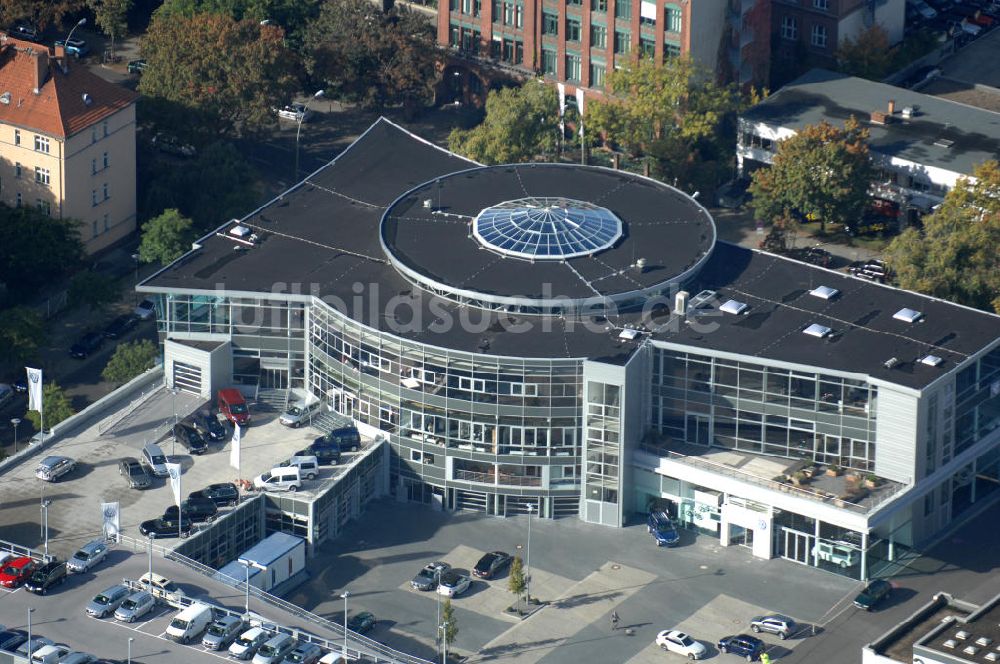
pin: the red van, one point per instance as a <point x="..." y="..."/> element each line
<point x="234" y="406"/>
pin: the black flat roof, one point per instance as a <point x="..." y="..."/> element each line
<point x="322" y="237"/>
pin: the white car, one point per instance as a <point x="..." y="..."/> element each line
<point x="299" y="414"/>
<point x="678" y="642"/>
<point x="145" y="310"/>
<point x="295" y="112"/>
<point x="50" y="654"/>
<point x="453" y="584"/>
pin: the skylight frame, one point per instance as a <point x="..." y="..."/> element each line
<point x="825" y="292"/>
<point x="818" y="331"/>
<point x="908" y="315"/>
<point x="734" y="307"/>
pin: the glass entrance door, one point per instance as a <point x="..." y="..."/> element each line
<point x="276" y="379"/>
<point x="798" y="547"/>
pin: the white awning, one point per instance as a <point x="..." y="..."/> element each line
<point x="647" y="10"/>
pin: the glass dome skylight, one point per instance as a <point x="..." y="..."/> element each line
<point x="547" y="228"/>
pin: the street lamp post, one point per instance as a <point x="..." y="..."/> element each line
<point x="15" y="421"/>
<point x="527" y="557"/>
<point x="173" y="401"/>
<point x="135" y="293"/>
<point x="444" y="641"/>
<point x="130" y="640"/>
<point x="344" y="596"/>
<point x="82" y="21"/>
<point x="305" y="109"/>
<point x="248" y="564"/>
<point x="45" y="522"/>
<point x="149" y="542"/>
<point x="30" y="611"/>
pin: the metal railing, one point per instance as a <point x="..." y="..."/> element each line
<point x="368" y="647"/>
<point x="120" y="416"/>
<point x="496" y="479"/>
<point x="23" y="551"/>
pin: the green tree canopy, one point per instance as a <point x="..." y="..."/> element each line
<point x="165" y="238"/>
<point x="130" y="360"/>
<point x="42" y="13"/>
<point x="521" y="124"/>
<point x="35" y="250"/>
<point x="371" y="57"/>
<point x="111" y="17"/>
<point x="292" y="15"/>
<point x="823" y="172"/>
<point x="55" y="403"/>
<point x="21" y="332"/>
<point x="92" y="289"/>
<point x="449" y="621"/>
<point x="957" y="254"/>
<point x="868" y="55"/>
<point x="516" y="583"/>
<point x="216" y="73"/>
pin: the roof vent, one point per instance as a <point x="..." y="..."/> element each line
<point x="879" y="117"/>
<point x="931" y="360"/>
<point x="702" y="298"/>
<point x="950" y="643"/>
<point x="984" y="641"/>
<point x="991" y="657"/>
<point x="640" y="265"/>
<point x="817" y="330"/>
<point x="5" y="98"/>
<point x="907" y="112"/>
<point x="908" y="315"/>
<point x="970" y="650"/>
<point x="944" y="142"/>
<point x="87" y="100"/>
<point x="891" y="362"/>
<point x="734" y="307"/>
<point x="962" y="635"/>
<point x="824" y="292"/>
<point x="628" y="333"/>
<point x="681" y="302"/>
<point x="240" y="231"/>
<point x="428" y="203"/>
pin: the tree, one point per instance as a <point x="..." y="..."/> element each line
<point x="165" y="238"/>
<point x="292" y="15"/>
<point x="56" y="405"/>
<point x="377" y="59"/>
<point x="92" y="289"/>
<point x="868" y="55"/>
<point x="41" y="13"/>
<point x="521" y="123"/>
<point x="957" y="254"/>
<point x="823" y="172"/>
<point x="214" y="73"/>
<point x="21" y="332"/>
<point x="35" y="250"/>
<point x="130" y="360"/>
<point x="111" y="16"/>
<point x="449" y="621"/>
<point x="516" y="583"/>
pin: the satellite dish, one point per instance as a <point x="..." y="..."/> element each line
<point x="87" y="100"/>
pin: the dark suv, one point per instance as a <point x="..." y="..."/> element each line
<point x="210" y="427"/>
<point x="189" y="437"/>
<point x="328" y="448"/>
<point x="223" y="494"/>
<point x="874" y="592"/>
<point x="46" y="576"/>
<point x="490" y="564"/>
<point x="195" y="508"/>
<point x="86" y="345"/>
<point x="743" y="645"/>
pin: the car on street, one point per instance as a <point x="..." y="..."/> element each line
<point x="674" y="641"/>
<point x="362" y="623"/>
<point x="210" y="427"/>
<point x="196" y="508"/>
<point x="107" y="601"/>
<point x="16" y="571"/>
<point x="145" y="310"/>
<point x="86" y="345"/>
<point x="88" y="556"/>
<point x="189" y="438"/>
<point x="222" y="632"/>
<point x="874" y="592"/>
<point x="491" y="564"/>
<point x="427" y="578"/>
<point x="453" y="583"/>
<point x="46" y="576"/>
<point x="742" y="645"/>
<point x="778" y="624"/>
<point x="135" y="606"/>
<point x="661" y="527"/>
<point x="24" y="30"/>
<point x="158" y="528"/>
<point x="119" y="326"/>
<point x="136" y="66"/>
<point x="51" y="468"/>
<point x="299" y="414"/>
<point x="134" y="473"/>
<point x="74" y="47"/>
<point x="172" y="145"/>
<point x="295" y="112"/>
<point x="21" y="385"/>
<point x="223" y="494"/>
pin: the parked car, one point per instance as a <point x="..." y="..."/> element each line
<point x="299" y="414"/>
<point x="195" y="508"/>
<point x="158" y="528"/>
<point x="222" y="632"/>
<point x="46" y="576"/>
<point x="134" y="473"/>
<point x="453" y="584"/>
<point x="51" y="654"/>
<point x="223" y="494"/>
<point x="160" y="586"/>
<point x="135" y="606"/>
<point x="279" y="478"/>
<point x="743" y="645"/>
<point x="119" y="326"/>
<point x="874" y="592"/>
<point x="248" y="643"/>
<point x="347" y="439"/>
<point x="154" y="459"/>
<point x="136" y="66"/>
<point x="107" y="601"/>
<point x="190" y="439"/>
<point x="308" y="465"/>
<point x="16" y="571"/>
<point x="11" y="639"/>
<point x="674" y="641"/>
<point x="170" y="144"/>
<point x="274" y="649"/>
<point x="428" y="577"/>
<point x="51" y="468"/>
<point x="490" y="564"/>
<point x="21" y="385"/>
<point x="145" y="310"/>
<point x="783" y="626"/>
<point x="295" y="112"/>
<point x="78" y="658"/>
<point x="210" y="427"/>
<point x="86" y="345"/>
<point x="88" y="556"/>
<point x="362" y="623"/>
<point x="233" y="406"/>
<point x="28" y="648"/>
<point x="75" y="47"/>
<point x="661" y="527"/>
<point x="304" y="653"/>
<point x="24" y="30"/>
<point x="6" y="392"/>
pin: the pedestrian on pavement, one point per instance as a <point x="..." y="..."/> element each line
<point x="765" y="658"/>
<point x="614" y="620"/>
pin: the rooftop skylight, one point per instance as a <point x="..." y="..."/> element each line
<point x="824" y="292"/>
<point x="908" y="315"/>
<point x="817" y="330"/>
<point x="734" y="307"/>
<point x="931" y="361"/>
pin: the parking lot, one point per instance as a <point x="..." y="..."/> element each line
<point x="581" y="571"/>
<point x="74" y="514"/>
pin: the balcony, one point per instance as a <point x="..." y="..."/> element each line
<point x="494" y="478"/>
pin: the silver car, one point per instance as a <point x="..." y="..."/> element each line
<point x="299" y="414"/>
<point x="51" y="468"/>
<point x="222" y="632"/>
<point x="135" y="606"/>
<point x="107" y="601"/>
<point x="78" y="658"/>
<point x="36" y="643"/>
<point x="89" y="555"/>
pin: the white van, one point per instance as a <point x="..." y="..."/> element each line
<point x="282" y="478"/>
<point x="155" y="459"/>
<point x="332" y="658"/>
<point x="190" y="622"/>
<point x="308" y="465"/>
<point x="275" y="649"/>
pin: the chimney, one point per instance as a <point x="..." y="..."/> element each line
<point x="892" y="106"/>
<point x="41" y="62"/>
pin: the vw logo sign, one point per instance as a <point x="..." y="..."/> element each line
<point x="34" y="377"/>
<point x="110" y="511"/>
<point x="762" y="524"/>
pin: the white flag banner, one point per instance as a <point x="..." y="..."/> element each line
<point x="111" y="515"/>
<point x="234" y="451"/>
<point x="34" y="389"/>
<point x="579" y="107"/>
<point x="562" y="98"/>
<point x="174" y="470"/>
